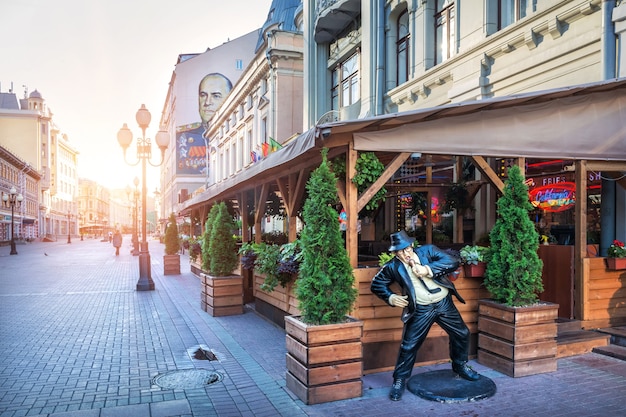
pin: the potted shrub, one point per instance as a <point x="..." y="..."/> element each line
<point x="324" y="352"/>
<point x="171" y="259"/>
<point x="473" y="259"/>
<point x="517" y="333"/>
<point x="616" y="255"/>
<point x="222" y="290"/>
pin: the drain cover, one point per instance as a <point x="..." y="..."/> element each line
<point x="186" y="378"/>
<point x="204" y="355"/>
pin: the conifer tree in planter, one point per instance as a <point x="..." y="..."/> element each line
<point x="222" y="291"/>
<point x="171" y="259"/>
<point x="325" y="292"/>
<point x="517" y="333"/>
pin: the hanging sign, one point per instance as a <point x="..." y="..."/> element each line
<point x="554" y="197"/>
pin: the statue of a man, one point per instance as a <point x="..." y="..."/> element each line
<point x="426" y="298"/>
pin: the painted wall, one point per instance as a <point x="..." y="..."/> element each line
<point x="194" y="106"/>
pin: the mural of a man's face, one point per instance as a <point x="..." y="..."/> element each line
<point x="211" y="92"/>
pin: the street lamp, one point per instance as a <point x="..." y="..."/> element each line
<point x="144" y="153"/>
<point x="134" y="238"/>
<point x="10" y="200"/>
<point x="81" y="219"/>
<point x="69" y="224"/>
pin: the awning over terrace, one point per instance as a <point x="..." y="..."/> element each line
<point x="584" y="122"/>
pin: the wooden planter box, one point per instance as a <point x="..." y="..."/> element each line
<point x="222" y="296"/>
<point x="171" y="264"/>
<point x="474" y="271"/>
<point x="195" y="264"/>
<point x="324" y="363"/>
<point x="517" y="341"/>
<point x="616" y="263"/>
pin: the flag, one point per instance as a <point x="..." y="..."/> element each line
<point x="266" y="148"/>
<point x="274" y="145"/>
<point x="253" y="156"/>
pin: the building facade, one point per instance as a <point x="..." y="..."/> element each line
<point x="14" y="172"/>
<point x="94" y="209"/>
<point x="27" y="130"/>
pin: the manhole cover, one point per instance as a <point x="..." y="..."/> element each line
<point x="186" y="378"/>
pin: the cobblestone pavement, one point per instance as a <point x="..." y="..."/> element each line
<point x="77" y="340"/>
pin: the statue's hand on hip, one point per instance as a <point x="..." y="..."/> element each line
<point x="399" y="300"/>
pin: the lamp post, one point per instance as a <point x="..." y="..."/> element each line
<point x="10" y="200"/>
<point x="134" y="238"/>
<point x="144" y="153"/>
<point x="69" y="226"/>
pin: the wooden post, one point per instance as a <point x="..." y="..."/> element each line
<point x="580" y="242"/>
<point x="459" y="214"/>
<point x="352" y="245"/>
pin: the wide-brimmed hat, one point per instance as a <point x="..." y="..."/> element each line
<point x="400" y="240"/>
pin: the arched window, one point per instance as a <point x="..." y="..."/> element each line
<point x="402" y="48"/>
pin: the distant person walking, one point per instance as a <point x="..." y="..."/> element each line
<point x="117" y="242"/>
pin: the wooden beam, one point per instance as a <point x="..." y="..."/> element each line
<point x="341" y="193"/>
<point x="297" y="195"/>
<point x="458" y="174"/>
<point x="486" y="170"/>
<point x="242" y="198"/>
<point x="284" y="192"/>
<point x="259" y="210"/>
<point x="351" y="206"/>
<point x="581" y="289"/>
<point x="380" y="182"/>
<point x="616" y="166"/>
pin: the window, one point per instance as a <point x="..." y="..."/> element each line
<point x="345" y="83"/>
<point x="249" y="146"/>
<point x="510" y="11"/>
<point x="444" y="30"/>
<point x="402" y="48"/>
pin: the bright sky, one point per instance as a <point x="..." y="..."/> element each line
<point x="95" y="62"/>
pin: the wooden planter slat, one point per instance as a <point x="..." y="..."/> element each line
<point x="324" y="393"/>
<point x="320" y="354"/>
<point x="535" y="350"/>
<point x="324" y="374"/>
<point x="516" y="369"/>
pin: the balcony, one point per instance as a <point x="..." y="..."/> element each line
<point x="333" y="17"/>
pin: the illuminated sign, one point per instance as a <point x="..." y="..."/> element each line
<point x="554" y="197"/>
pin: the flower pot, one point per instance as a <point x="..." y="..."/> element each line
<point x="517" y="341"/>
<point x="171" y="264"/>
<point x="324" y="363"/>
<point x="616" y="263"/>
<point x="474" y="271"/>
<point x="222" y="296"/>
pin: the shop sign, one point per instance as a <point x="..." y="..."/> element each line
<point x="554" y="197"/>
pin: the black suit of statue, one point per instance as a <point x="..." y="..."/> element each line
<point x="419" y="314"/>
